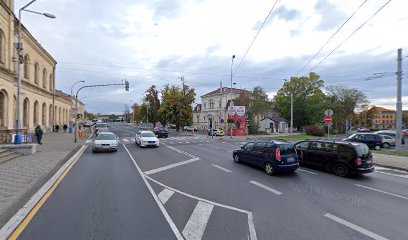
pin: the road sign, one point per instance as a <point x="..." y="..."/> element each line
<point x="328" y="119"/>
<point x="328" y="112"/>
<point x="222" y="120"/>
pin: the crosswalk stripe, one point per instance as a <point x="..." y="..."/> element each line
<point x="88" y="141"/>
<point x="266" y="187"/>
<point x="197" y="223"/>
<point x="165" y="195"/>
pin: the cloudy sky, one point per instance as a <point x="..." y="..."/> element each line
<point x="157" y="41"/>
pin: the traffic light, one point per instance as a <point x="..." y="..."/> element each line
<point x="126" y="86"/>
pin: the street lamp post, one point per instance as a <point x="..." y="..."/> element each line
<point x="21" y="59"/>
<point x="232" y="63"/>
<point x="72" y="87"/>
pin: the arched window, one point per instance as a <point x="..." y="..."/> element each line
<point x="27" y="66"/>
<point x="36" y="73"/>
<point x="3" y="111"/>
<point x="44" y="80"/>
<point x="44" y="115"/>
<point x="26" y="111"/>
<point x="50" y="116"/>
<point x="51" y="81"/>
<point x="36" y="113"/>
<point x="2" y="47"/>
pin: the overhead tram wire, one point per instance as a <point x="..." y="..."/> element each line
<point x="331" y="37"/>
<point x="356" y="30"/>
<point x="256" y="35"/>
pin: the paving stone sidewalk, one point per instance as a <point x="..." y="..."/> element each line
<point x="20" y="177"/>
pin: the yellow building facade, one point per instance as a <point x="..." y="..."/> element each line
<point x="40" y="104"/>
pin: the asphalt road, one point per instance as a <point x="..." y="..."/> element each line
<point x="200" y="193"/>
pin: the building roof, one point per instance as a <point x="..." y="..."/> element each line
<point x="381" y="109"/>
<point x="225" y="90"/>
<point x="276" y="119"/>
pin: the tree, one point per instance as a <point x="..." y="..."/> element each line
<point x="152" y="99"/>
<point x="344" y="102"/>
<point x="176" y="104"/>
<point x="137" y="117"/>
<point x="308" y="97"/>
<point x="126" y="113"/>
<point x="89" y="115"/>
<point x="113" y="117"/>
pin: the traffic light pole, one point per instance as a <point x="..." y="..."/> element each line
<point x="126" y="84"/>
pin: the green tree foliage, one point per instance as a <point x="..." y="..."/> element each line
<point x="344" y="101"/>
<point x="176" y="105"/>
<point x="309" y="100"/>
<point x="89" y="115"/>
<point x="151" y="98"/>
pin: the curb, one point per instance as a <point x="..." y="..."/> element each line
<point x="392" y="167"/>
<point x="25" y="196"/>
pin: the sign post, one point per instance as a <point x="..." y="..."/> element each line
<point x="328" y="120"/>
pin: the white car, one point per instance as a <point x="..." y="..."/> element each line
<point x="105" y="141"/>
<point x="189" y="128"/>
<point x="146" y="139"/>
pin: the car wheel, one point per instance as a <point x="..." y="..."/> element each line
<point x="377" y="148"/>
<point x="166" y="136"/>
<point x="341" y="169"/>
<point x="386" y="145"/>
<point x="236" y="158"/>
<point x="268" y="167"/>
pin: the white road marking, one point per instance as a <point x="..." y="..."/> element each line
<point x="265" y="187"/>
<point x="160" y="169"/>
<point x="15" y="221"/>
<point x="251" y="225"/>
<point x="381" y="191"/>
<point x="180" y="142"/>
<point x="165" y="195"/>
<point x="125" y="140"/>
<point x="303" y="170"/>
<point x="170" y="142"/>
<point x="355" y="227"/>
<point x="223" y="169"/>
<point x="197" y="223"/>
<point x="88" y="141"/>
<point x="393" y="174"/>
<point x="163" y="210"/>
<point x="187" y="142"/>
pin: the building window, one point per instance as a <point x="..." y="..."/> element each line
<point x="36" y="73"/>
<point x="26" y="67"/>
<point x="198" y="118"/>
<point x="219" y="105"/>
<point x="44" y="78"/>
<point x="36" y="113"/>
<point x="205" y="105"/>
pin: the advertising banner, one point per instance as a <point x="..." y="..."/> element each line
<point x="239" y="126"/>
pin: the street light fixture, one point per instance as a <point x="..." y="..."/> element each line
<point x="20" y="61"/>
<point x="72" y="87"/>
<point x="232" y="63"/>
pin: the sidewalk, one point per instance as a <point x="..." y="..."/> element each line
<point x="21" y="177"/>
<point x="391" y="161"/>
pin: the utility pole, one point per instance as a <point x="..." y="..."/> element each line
<point x="399" y="102"/>
<point x="220" y="102"/>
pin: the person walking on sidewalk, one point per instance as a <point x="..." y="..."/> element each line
<point x="65" y="127"/>
<point x="38" y="134"/>
<point x="57" y="128"/>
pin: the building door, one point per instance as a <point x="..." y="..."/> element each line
<point x="210" y="122"/>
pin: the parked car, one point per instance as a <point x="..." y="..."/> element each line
<point x="105" y="141"/>
<point x="189" y="128"/>
<point x="388" y="141"/>
<point x="146" y="139"/>
<point x="161" y="132"/>
<point x="341" y="158"/>
<point x="373" y="141"/>
<point x="391" y="133"/>
<point x="272" y="156"/>
<point x="362" y="129"/>
<point x="215" y="132"/>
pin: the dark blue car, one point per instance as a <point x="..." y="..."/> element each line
<point x="273" y="156"/>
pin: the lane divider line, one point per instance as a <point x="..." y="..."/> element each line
<point x="265" y="187"/>
<point x="165" y="195"/>
<point x="355" y="227"/>
<point x="16" y="225"/>
<point x="162" y="209"/>
<point x="303" y="170"/>
<point x="381" y="191"/>
<point x="196" y="224"/>
<point x="160" y="169"/>
<point x="222" y="168"/>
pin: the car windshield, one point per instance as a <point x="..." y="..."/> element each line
<point x="106" y="137"/>
<point x="148" y="134"/>
<point x="351" y="136"/>
<point x="286" y="149"/>
<point x="362" y="150"/>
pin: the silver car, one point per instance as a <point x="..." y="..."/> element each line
<point x="388" y="141"/>
<point x="105" y="142"/>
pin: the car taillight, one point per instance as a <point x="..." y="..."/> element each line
<point x="278" y="156"/>
<point x="382" y="141"/>
<point x="358" y="161"/>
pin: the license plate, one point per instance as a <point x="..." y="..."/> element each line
<point x="290" y="159"/>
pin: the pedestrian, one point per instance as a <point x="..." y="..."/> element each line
<point x="65" y="127"/>
<point x="57" y="128"/>
<point x="80" y="131"/>
<point x="38" y="134"/>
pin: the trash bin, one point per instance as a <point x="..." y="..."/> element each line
<point x="18" y="139"/>
<point x="70" y="130"/>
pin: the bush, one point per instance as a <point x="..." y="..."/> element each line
<point x="315" y="131"/>
<point x="374" y="129"/>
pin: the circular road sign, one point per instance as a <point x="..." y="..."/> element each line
<point x="328" y="112"/>
<point x="328" y="119"/>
